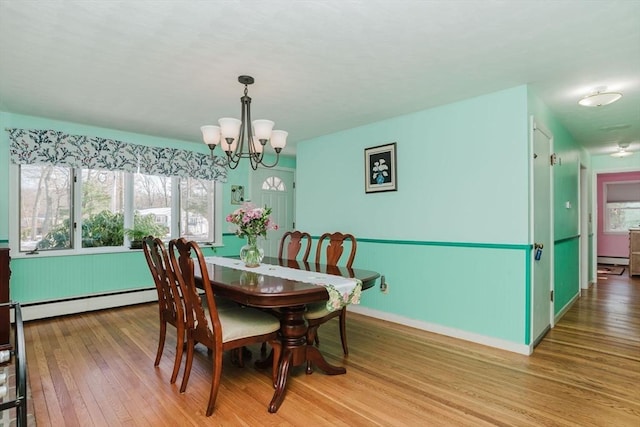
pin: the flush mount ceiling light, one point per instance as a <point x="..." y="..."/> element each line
<point x="233" y="134"/>
<point x="600" y="97"/>
<point x="622" y="151"/>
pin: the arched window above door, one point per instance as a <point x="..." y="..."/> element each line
<point x="273" y="183"/>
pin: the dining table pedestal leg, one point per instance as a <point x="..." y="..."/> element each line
<point x="315" y="357"/>
<point x="296" y="352"/>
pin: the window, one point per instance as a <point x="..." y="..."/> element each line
<point x="273" y="183"/>
<point x="622" y="206"/>
<point x="45" y="207"/>
<point x="152" y="197"/>
<point x="102" y="208"/>
<point x="58" y="212"/>
<point x="622" y="216"/>
<point x="197" y="205"/>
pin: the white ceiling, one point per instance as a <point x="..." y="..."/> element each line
<point x="167" y="67"/>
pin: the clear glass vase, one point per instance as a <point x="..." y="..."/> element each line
<point x="251" y="254"/>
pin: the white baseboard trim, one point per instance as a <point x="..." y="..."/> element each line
<point x="42" y="310"/>
<point x="444" y="330"/>
<point x="34" y="311"/>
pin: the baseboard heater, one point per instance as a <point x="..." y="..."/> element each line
<point x="84" y="303"/>
<point x="613" y="260"/>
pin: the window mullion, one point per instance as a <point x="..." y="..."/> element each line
<point x="128" y="204"/>
<point x="76" y="210"/>
<point x="175" y="208"/>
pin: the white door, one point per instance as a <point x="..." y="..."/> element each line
<point x="274" y="188"/>
<point x="542" y="254"/>
<point x="585" y="226"/>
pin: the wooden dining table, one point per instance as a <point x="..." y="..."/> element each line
<point x="290" y="298"/>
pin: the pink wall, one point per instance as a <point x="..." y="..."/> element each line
<point x="612" y="245"/>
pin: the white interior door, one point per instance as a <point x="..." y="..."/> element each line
<point x="274" y="188"/>
<point x="542" y="261"/>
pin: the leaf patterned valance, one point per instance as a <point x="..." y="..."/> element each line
<point x="34" y="146"/>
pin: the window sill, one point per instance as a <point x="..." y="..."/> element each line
<point x="15" y="254"/>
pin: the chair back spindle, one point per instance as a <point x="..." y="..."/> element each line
<point x="197" y="320"/>
<point x="335" y="248"/>
<point x="294" y="245"/>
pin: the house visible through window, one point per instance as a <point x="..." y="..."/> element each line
<point x="152" y="197"/>
<point x="197" y="206"/>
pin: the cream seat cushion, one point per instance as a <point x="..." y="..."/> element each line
<point x="242" y="322"/>
<point x="316" y="310"/>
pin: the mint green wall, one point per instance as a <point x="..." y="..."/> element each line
<point x="453" y="240"/>
<point x="566" y="272"/>
<point x="462" y="175"/>
<point x="478" y="289"/>
<point x="43" y="278"/>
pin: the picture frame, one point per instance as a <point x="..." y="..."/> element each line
<point x="237" y="194"/>
<point x="380" y="170"/>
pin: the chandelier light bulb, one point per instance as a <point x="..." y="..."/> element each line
<point x="262" y="129"/>
<point x="211" y="134"/>
<point x="229" y="127"/>
<point x="279" y="139"/>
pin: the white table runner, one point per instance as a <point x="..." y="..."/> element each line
<point x="342" y="290"/>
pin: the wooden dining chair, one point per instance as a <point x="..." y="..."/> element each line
<point x="317" y="314"/>
<point x="170" y="302"/>
<point x="291" y="244"/>
<point x="218" y="330"/>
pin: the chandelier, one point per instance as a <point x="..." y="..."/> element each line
<point x="232" y="134"/>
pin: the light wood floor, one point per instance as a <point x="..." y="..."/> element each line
<point x="97" y="369"/>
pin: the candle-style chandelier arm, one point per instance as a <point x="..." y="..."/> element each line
<point x="232" y="134"/>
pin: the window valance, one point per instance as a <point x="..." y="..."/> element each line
<point x="35" y="146"/>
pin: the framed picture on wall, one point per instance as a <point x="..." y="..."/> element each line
<point x="380" y="168"/>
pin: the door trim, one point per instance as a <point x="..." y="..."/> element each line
<point x="594" y="212"/>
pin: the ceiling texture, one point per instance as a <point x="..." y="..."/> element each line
<point x="167" y="67"/>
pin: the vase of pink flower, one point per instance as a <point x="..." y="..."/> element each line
<point x="250" y="222"/>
